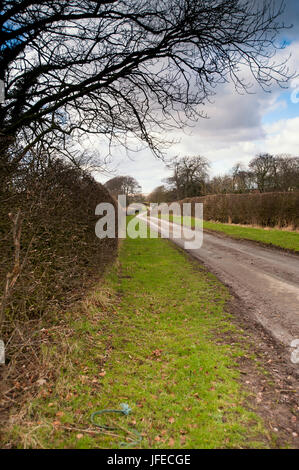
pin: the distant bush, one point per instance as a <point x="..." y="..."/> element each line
<point x="59" y="252"/>
<point x="266" y="209"/>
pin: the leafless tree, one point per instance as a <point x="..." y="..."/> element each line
<point x="242" y="178"/>
<point x="286" y="173"/>
<point x="123" y="68"/>
<point x="189" y="176"/>
<point x="263" y="167"/>
<point x="123" y="185"/>
<point x="267" y="173"/>
<point x="221" y="185"/>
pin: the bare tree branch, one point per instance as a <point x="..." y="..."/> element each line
<point x="128" y="67"/>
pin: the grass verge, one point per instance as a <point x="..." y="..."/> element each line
<point x="280" y="238"/>
<point x="152" y="336"/>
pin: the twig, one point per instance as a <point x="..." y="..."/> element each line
<point x="89" y="431"/>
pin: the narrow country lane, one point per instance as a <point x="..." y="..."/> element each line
<point x="266" y="280"/>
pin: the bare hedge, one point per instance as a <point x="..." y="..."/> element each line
<point x="59" y="252"/>
<point x="263" y="209"/>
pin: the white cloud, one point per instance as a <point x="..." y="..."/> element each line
<point x="283" y="136"/>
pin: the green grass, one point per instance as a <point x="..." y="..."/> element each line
<point x="281" y="238"/>
<point x="153" y="336"/>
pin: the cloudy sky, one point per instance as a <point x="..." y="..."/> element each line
<point x="239" y="126"/>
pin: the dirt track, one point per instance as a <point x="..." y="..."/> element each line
<point x="264" y="279"/>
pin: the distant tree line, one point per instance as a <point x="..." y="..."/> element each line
<point x="265" y="173"/>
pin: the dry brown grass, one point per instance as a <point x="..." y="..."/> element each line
<point x="39" y="351"/>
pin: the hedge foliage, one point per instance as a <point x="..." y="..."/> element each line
<point x="264" y="209"/>
<point x="59" y="252"/>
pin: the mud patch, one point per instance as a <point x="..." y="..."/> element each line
<point x="270" y="378"/>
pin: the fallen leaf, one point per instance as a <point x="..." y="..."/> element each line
<point x="41" y="382"/>
<point x="157" y="352"/>
<point x="171" y="420"/>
